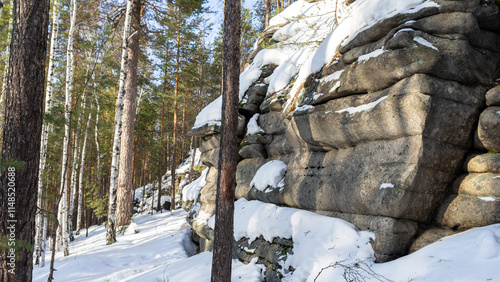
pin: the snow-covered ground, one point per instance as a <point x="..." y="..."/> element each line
<point x="161" y="251"/>
<point x="325" y="249"/>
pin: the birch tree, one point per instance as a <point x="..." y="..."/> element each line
<point x="74" y="169"/>
<point x="111" y="228"/>
<point x="47" y="127"/>
<point x="67" y="125"/>
<point x="80" y="178"/>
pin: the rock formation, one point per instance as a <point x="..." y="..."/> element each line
<point x="398" y="134"/>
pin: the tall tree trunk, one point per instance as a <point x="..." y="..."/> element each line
<point x="4" y="79"/>
<point x="96" y="138"/>
<point x="158" y="202"/>
<point x="267" y="11"/>
<point x="74" y="171"/>
<point x="113" y="183"/>
<point x="174" y="138"/>
<point x="43" y="241"/>
<point x="67" y="125"/>
<point x="124" y="204"/>
<point x="22" y="133"/>
<point x="226" y="180"/>
<point x="80" y="177"/>
<point x="46" y="126"/>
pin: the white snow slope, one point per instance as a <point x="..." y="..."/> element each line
<point x="325" y="249"/>
<point x="159" y="252"/>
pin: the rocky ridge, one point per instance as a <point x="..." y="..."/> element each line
<point x="399" y="134"/>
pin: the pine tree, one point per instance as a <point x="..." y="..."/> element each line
<point x="21" y="136"/>
<point x="111" y="228"/>
<point x="125" y="170"/>
<point x="226" y="180"/>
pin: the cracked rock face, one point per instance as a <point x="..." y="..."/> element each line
<point x="379" y="136"/>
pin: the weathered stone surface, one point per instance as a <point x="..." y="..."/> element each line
<point x="391" y="235"/>
<point x="205" y="130"/>
<point x="209" y="143"/>
<point x="349" y="180"/>
<point x="488" y="131"/>
<point x="210" y="157"/>
<point x="463" y="212"/>
<point x="418" y="83"/>
<point x="252" y="151"/>
<point x="254" y="96"/>
<point x="478" y="184"/>
<point x="493" y="97"/>
<point x="271" y="254"/>
<point x="209" y="191"/>
<point x="483" y="163"/>
<point x="244" y="175"/>
<point x="430" y="236"/>
<point x="272" y="123"/>
<point x="257" y="139"/>
<point x="242" y="124"/>
<point x="391" y="117"/>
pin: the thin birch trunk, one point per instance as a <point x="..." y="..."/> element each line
<point x="43" y="241"/>
<point x="74" y="171"/>
<point x="67" y="115"/>
<point x="46" y="128"/>
<point x="111" y="228"/>
<point x="80" y="179"/>
<point x="174" y="139"/>
<point x="96" y="137"/>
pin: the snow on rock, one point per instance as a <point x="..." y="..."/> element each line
<point x="487" y="199"/>
<point x="269" y="174"/>
<point x="359" y="16"/>
<point x="386" y="185"/>
<point x="318" y="241"/>
<point x="308" y="38"/>
<point x="365" y="107"/>
<point x="333" y="76"/>
<point x="304" y="108"/>
<point x="424" y="42"/>
<point x="253" y="126"/>
<point x="191" y="191"/>
<point x="370" y="55"/>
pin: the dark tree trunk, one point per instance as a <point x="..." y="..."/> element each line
<point x="267" y="10"/>
<point x="124" y="200"/>
<point x="21" y="137"/>
<point x="228" y="156"/>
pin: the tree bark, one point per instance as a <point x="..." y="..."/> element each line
<point x="113" y="185"/>
<point x="46" y="129"/>
<point x="174" y="137"/>
<point x="267" y="11"/>
<point x="22" y="132"/>
<point x="226" y="180"/>
<point x="67" y="126"/>
<point x="124" y="204"/>
<point x="80" y="177"/>
<point x="4" y="80"/>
